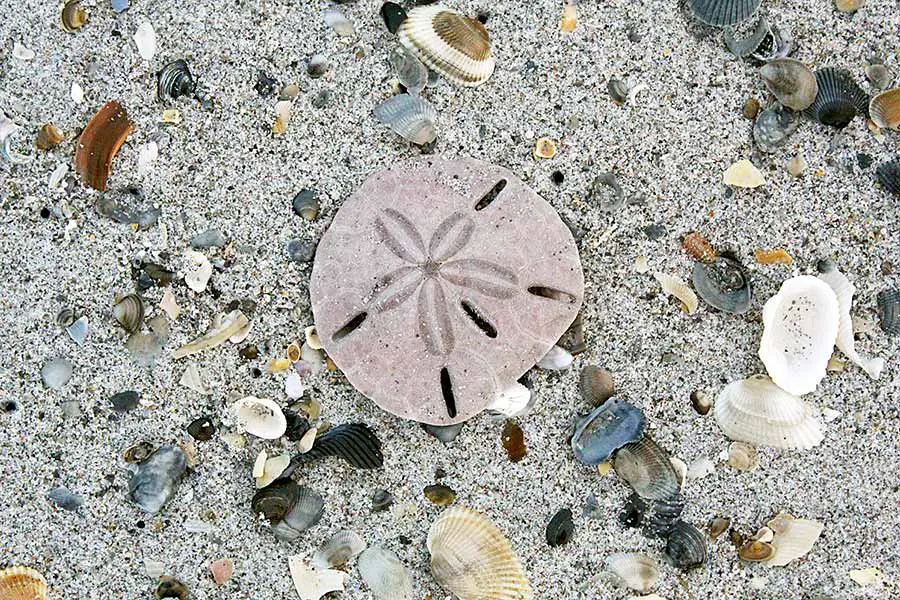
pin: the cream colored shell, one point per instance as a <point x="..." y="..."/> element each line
<point x="22" y="583"/>
<point x="638" y="572"/>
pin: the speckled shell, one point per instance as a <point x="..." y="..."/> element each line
<point x="449" y="43"/>
<point x="609" y="427"/>
<point x="22" y="583"/>
<point x="839" y="99"/>
<point x="647" y="469"/>
<point x="757" y="411"/>
<point x="721" y="13"/>
<point x="472" y="558"/>
<point x="884" y="109"/>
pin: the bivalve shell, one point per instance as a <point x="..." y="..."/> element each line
<point x="129" y="312"/>
<point x="686" y="545"/>
<point x="888" y="302"/>
<point x="73" y="16"/>
<point x="839" y="99"/>
<point x="721" y="13"/>
<point x="888" y="175"/>
<point x="635" y="571"/>
<point x="884" y="109"/>
<point x="607" y="428"/>
<point x="23" y="583"/>
<point x="356" y="443"/>
<point x="792" y="83"/>
<point x="385" y="575"/>
<point x="647" y="469"/>
<point x="260" y="417"/>
<point x="411" y="117"/>
<point x="340" y="549"/>
<point x="793" y="538"/>
<point x="99" y="143"/>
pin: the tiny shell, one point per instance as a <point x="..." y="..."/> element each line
<point x="72" y="17"/>
<point x="635" y="571"/>
<point x="723" y="284"/>
<point x="596" y="385"/>
<point x="129" y="312"/>
<point x="878" y="75"/>
<point x="556" y="359"/>
<point x="312" y="338"/>
<point x="718" y="526"/>
<point x="513" y="439"/>
<point x="701" y="402"/>
<point x="293" y="352"/>
<point x="340" y="549"/>
<point x="222" y="570"/>
<point x="282" y="116"/>
<point x="569" y="18"/>
<point x="756" y="551"/>
<point x="272" y="469"/>
<point x="514" y="401"/>
<point x="865" y="577"/>
<point x="439" y="494"/>
<point x="411" y="117"/>
<point x="99" y="143"/>
<point x="411" y="72"/>
<point x="795" y="538"/>
<point x="774" y="126"/>
<point x="743" y="174"/>
<point x="560" y="528"/>
<point x="198" y="272"/>
<point x="49" y="137"/>
<point x="743" y="456"/>
<point x="674" y="286"/>
<point x="356" y="443"/>
<point x="56" y="373"/>
<point x="721" y="13"/>
<point x="884" y="109"/>
<point x="23" y="583"/>
<point x="306" y="204"/>
<point x="193" y="380"/>
<point x="7" y="129"/>
<point x="776" y="256"/>
<point x="697" y="246"/>
<point x="312" y="583"/>
<point x="888" y="175"/>
<point x="386" y="576"/>
<point x="145" y="40"/>
<point x="169" y="587"/>
<point x="544" y="148"/>
<point x="260" y="417"/>
<point x="232" y="324"/>
<point x="175" y="80"/>
<point x="685" y="545"/>
<point x="169" y="305"/>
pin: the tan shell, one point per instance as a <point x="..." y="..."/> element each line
<point x="472" y="558"/>
<point x="72" y="16"/>
<point x="743" y="174"/>
<point x="697" y="246"/>
<point x="22" y="583"/>
<point x="793" y="538"/>
<point x="885" y="109"/>
<point x="454" y="45"/>
<point x="756" y="551"/>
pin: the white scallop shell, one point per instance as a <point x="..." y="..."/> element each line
<point x="340" y="548"/>
<point x="756" y="411"/>
<point x="385" y="575"/>
<point x="801" y="325"/>
<point x="260" y="417"/>
<point x="793" y="539"/>
<point x="844" y="291"/>
<point x="636" y="571"/>
<point x="410" y="117"/>
<point x="472" y="558"/>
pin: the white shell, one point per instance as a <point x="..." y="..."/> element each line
<point x="636" y="571"/>
<point x="259" y="465"/>
<point x="800" y="327"/>
<point x="385" y="575"/>
<point x="313" y="583"/>
<point x="169" y="305"/>
<point x="306" y="442"/>
<point x="675" y="286"/>
<point x="411" y="117"/>
<point x="231" y="325"/>
<point x="793" y="539"/>
<point x="199" y="270"/>
<point x="340" y="548"/>
<point x="844" y="291"/>
<point x="512" y="401"/>
<point x="22" y="53"/>
<point x="260" y="417"/>
<point x="756" y="411"/>
<point x="272" y="469"/>
<point x="700" y="468"/>
<point x="338" y="22"/>
<point x="293" y="385"/>
<point x="77" y="93"/>
<point x="556" y="359"/>
<point x="193" y="380"/>
<point x="145" y="40"/>
<point x="743" y="174"/>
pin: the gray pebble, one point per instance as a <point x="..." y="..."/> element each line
<point x="157" y="478"/>
<point x="301" y="251"/>
<point x="125" y="401"/>
<point x="211" y="238"/>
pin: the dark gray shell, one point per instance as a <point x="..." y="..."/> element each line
<point x="723" y="284"/>
<point x="596" y="385"/>
<point x="888" y="175"/>
<point x="612" y="425"/>
<point x="721" y="13"/>
<point x="560" y="528"/>
<point x="647" y="469"/>
<point x="157" y="478"/>
<point x="686" y="546"/>
<point x="774" y="126"/>
<point x="445" y="433"/>
<point x="306" y="512"/>
<point x="889" y="311"/>
<point x="354" y="442"/>
<point x="276" y="499"/>
<point x="839" y="99"/>
<point x="175" y="80"/>
<point x="654" y="517"/>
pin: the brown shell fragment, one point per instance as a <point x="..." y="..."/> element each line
<point x="440" y="494"/>
<point x="49" y="137"/>
<point x="697" y="246"/>
<point x="99" y="143"/>
<point x="513" y="439"/>
<point x="776" y="256"/>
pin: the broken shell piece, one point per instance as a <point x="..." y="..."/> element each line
<point x="884" y="109"/>
<point x="569" y="18"/>
<point x="99" y="143"/>
<point x="312" y="338"/>
<point x="888" y="303"/>
<point x="888" y="175"/>
<point x="556" y="359"/>
<point x="743" y="174"/>
<point x="635" y="571"/>
<point x="764" y="534"/>
<point x="72" y="17"/>
<point x="7" y="129"/>
<point x="193" y="380"/>
<point x="700" y="468"/>
<point x="260" y="417"/>
<point x="340" y="549"/>
<point x="796" y="166"/>
<point x="78" y="330"/>
<point x="743" y="456"/>
<point x="454" y="45"/>
<point x="793" y="539"/>
<point x="776" y="256"/>
<point x="222" y="570"/>
<point x="757" y="411"/>
<point x="169" y="305"/>
<point x="23" y="583"/>
<point x="865" y="577"/>
<point x="800" y="327"/>
<point x="306" y="442"/>
<point x="171" y="116"/>
<point x="259" y="465"/>
<point x="411" y="72"/>
<point x="878" y="75"/>
<point x="411" y="117"/>
<point x="544" y="148"/>
<point x="129" y="312"/>
<point x="49" y="137"/>
<point x="844" y="291"/>
<point x="272" y="469"/>
<point x="338" y="22"/>
<point x="512" y="402"/>
<point x="674" y="286"/>
<point x="199" y="271"/>
<point x="282" y="116"/>
<point x="145" y="40"/>
<point x="472" y="558"/>
<point x="791" y="82"/>
<point x="312" y="583"/>
<point x="232" y="324"/>
<point x="385" y="575"/>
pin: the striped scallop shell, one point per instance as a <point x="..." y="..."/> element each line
<point x="635" y="571"/>
<point x="757" y="411"/>
<point x="411" y="117"/>
<point x="472" y="558"/>
<point x="888" y="175"/>
<point x="22" y="583"/>
<point x="384" y="573"/>
<point x="839" y="98"/>
<point x="647" y="469"/>
<point x="793" y="538"/>
<point x="884" y="109"/>
<point x="454" y="45"/>
<point x="722" y="13"/>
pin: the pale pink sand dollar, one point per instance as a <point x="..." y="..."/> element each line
<point x="440" y="283"/>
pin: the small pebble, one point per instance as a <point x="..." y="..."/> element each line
<point x="655" y="231"/>
<point x="864" y="160"/>
<point x="306" y="204"/>
<point x="321" y="99"/>
<point x="751" y="108"/>
<point x="393" y="15"/>
<point x="440" y="494"/>
<point x="301" y="251"/>
<point x="317" y="66"/>
<point x="125" y="401"/>
<point x="211" y="238"/>
<point x="560" y="528"/>
<point x="202" y="429"/>
<point x="265" y="86"/>
<point x="169" y="587"/>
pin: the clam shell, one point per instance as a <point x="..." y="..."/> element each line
<point x="306" y="204"/>
<point x="454" y="45"/>
<point x="720" y="13"/>
<point x="723" y="284"/>
<point x="356" y="443"/>
<point x="766" y="43"/>
<point x="275" y="500"/>
<point x="647" y="469"/>
<point x="556" y="359"/>
<point x="560" y="528"/>
<point x="635" y="571"/>
<point x="844" y="291"/>
<point x="411" y="117"/>
<point x="260" y="417"/>
<point x="743" y="456"/>
<point x="411" y="72"/>
<point x="340" y="549"/>
<point x="794" y="539"/>
<point x="607" y="428"/>
<point x="888" y="302"/>
<point x="385" y="575"/>
<point x="596" y="385"/>
<point x="99" y="143"/>
<point x="472" y="558"/>
<point x="175" y="80"/>
<point x="878" y="75"/>
<point x="305" y="513"/>
<point x="791" y="82"/>
<point x="686" y="546"/>
<point x="884" y="109"/>
<point x="513" y="401"/>
<point x="888" y="175"/>
<point x="756" y="411"/>
<point x="800" y="327"/>
<point x="157" y="478"/>
<point x="72" y="17"/>
<point x="743" y="174"/>
<point x="129" y="312"/>
<point x="23" y="583"/>
<point x="839" y="98"/>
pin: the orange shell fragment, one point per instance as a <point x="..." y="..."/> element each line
<point x="697" y="246"/>
<point x="776" y="256"/>
<point x="99" y="143"/>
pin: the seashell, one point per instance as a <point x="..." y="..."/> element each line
<point x="272" y="469"/>
<point x="884" y="109"/>
<point x="283" y="116"/>
<point x="608" y="428"/>
<point x="393" y="16"/>
<point x="472" y="558"/>
<point x="72" y="17"/>
<point x="275" y="501"/>
<point x="720" y="13"/>
<point x="849" y="6"/>
<point x="312" y="583"/>
<point x="718" y="526"/>
<point x="439" y="494"/>
<point x="647" y="469"/>
<point x="304" y="514"/>
<point x="386" y="576"/>
<point x="700" y="468"/>
<point x="607" y="193"/>
<point x="260" y="417"/>
<point x="21" y="52"/>
<point x="513" y="439"/>
<point x="312" y="338"/>
<point x="198" y="272"/>
<point x="674" y="286"/>
<point x="222" y="570"/>
<point x="767" y="42"/>
<point x="338" y="22"/>
<point x="756" y="551"/>
<point x="99" y="143"/>
<point x="839" y="98"/>
<point x="382" y="500"/>
<point x="686" y="546"/>
<point x="138" y="453"/>
<point x="169" y="587"/>
<point x="78" y="330"/>
<point x="743" y="174"/>
<point x="596" y="385"/>
<point x="774" y="126"/>
<point x="50" y="136"/>
<point x="129" y="312"/>
<point x="791" y="82"/>
<point x="56" y="373"/>
<point x="175" y="80"/>
<point x="844" y="291"/>
<point x="750" y="108"/>
<point x="697" y="246"/>
<point x="65" y="498"/>
<point x="723" y="284"/>
<point x="455" y="46"/>
<point x="411" y="117"/>
<point x="864" y="577"/>
<point x="743" y="456"/>
<point x="638" y="572"/>
<point x="340" y="549"/>
<point x="888" y="302"/>
<point x="145" y="40"/>
<point x="878" y="75"/>
<point x="569" y="19"/>
<point x="757" y="411"/>
<point x="23" y="583"/>
<point x="655" y="517"/>
<point x="316" y="67"/>
<point x="125" y="401"/>
<point x="700" y="401"/>
<point x="193" y="380"/>
<point x="65" y="317"/>
<point x="7" y="129"/>
<point x="232" y="326"/>
<point x="888" y="175"/>
<point x="556" y="359"/>
<point x="356" y="443"/>
<point x="572" y="341"/>
<point x="157" y="478"/>
<point x="560" y="528"/>
<point x="776" y="256"/>
<point x="306" y="204"/>
<point x="795" y="538"/>
<point x="513" y="401"/>
<point x="544" y="148"/>
<point x="800" y="327"/>
<point x="617" y="90"/>
<point x="411" y="72"/>
<point x="445" y="433"/>
<point x="202" y="429"/>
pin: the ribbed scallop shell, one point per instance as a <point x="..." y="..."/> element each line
<point x="888" y="175"/>
<point x="22" y="583"/>
<point x="411" y="117"/>
<point x="888" y="302"/>
<point x="721" y="13"/>
<point x="647" y="469"/>
<point x="452" y="44"/>
<point x="354" y="442"/>
<point x="884" y="109"/>
<point x="638" y="572"/>
<point x="472" y="558"/>
<point x="839" y="98"/>
<point x="757" y="411"/>
<point x="800" y="328"/>
<point x="686" y="545"/>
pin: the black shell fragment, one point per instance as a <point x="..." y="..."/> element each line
<point x="654" y="517"/>
<point x="889" y="311"/>
<point x="393" y="16"/>
<point x="354" y="442"/>
<point x="175" y="80"/>
<point x="560" y="528"/>
<point x="276" y="499"/>
<point x="888" y="175"/>
<point x="720" y="13"/>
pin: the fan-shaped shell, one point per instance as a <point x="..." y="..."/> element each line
<point x="260" y="417"/>
<point x="720" y="13"/>
<point x="22" y="583"/>
<point x="757" y="411"/>
<point x="884" y="109"/>
<point x="888" y="175"/>
<point x="686" y="545"/>
<point x="800" y="328"/>
<point x="452" y="44"/>
<point x="647" y="469"/>
<point x="609" y="427"/>
<point x="793" y="539"/>
<point x="175" y="80"/>
<point x="638" y="572"/>
<point x="129" y="312"/>
<point x="839" y="98"/>
<point x="723" y="284"/>
<point x="340" y="548"/>
<point x="888" y="302"/>
<point x="385" y="575"/>
<point x="411" y="117"/>
<point x="354" y="442"/>
<point x="472" y="558"/>
<point x="306" y="512"/>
